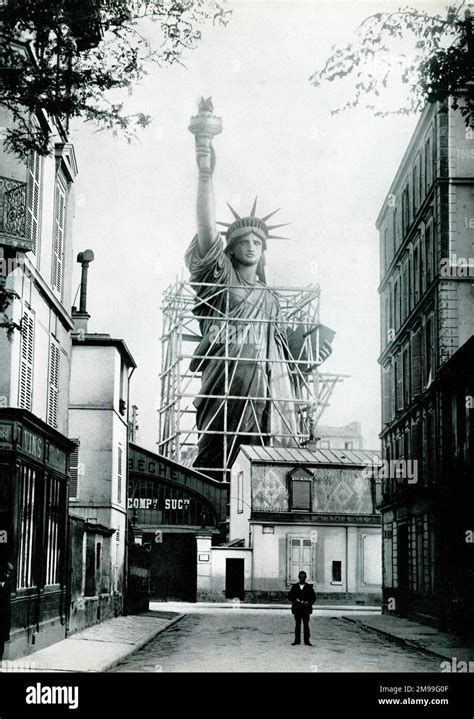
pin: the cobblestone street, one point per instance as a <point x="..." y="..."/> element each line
<point x="245" y="640"/>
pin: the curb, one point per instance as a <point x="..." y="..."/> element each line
<point x="136" y="647"/>
<point x="395" y="639"/>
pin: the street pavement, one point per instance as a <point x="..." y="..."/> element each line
<point x="250" y="639"/>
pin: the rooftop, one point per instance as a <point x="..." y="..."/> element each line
<point x="301" y="455"/>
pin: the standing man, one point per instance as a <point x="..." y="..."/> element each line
<point x="303" y="597"/>
<point x="5" y="606"/>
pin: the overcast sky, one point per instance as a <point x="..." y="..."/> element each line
<point x="329" y="174"/>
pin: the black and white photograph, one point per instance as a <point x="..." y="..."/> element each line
<point x="237" y="350"/>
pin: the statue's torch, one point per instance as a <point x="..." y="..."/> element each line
<point x="204" y="126"/>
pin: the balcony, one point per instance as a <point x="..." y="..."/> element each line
<point x="13" y="214"/>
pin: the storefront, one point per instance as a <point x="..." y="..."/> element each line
<point x="33" y="527"/>
<point x="168" y="505"/>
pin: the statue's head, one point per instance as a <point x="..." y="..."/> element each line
<point x="246" y="237"/>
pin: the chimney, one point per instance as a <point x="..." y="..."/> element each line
<point x="81" y="316"/>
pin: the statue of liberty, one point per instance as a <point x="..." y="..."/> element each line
<point x="247" y="380"/>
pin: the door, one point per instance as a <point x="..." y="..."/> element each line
<point x="173" y="570"/>
<point x="234" y="578"/>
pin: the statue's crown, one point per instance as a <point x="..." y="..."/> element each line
<point x="257" y="224"/>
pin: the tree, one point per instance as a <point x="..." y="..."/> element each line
<point x="441" y="65"/>
<point x="83" y="51"/>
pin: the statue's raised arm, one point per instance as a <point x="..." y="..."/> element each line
<point x="204" y="126"/>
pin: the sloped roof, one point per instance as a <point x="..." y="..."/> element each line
<point x="302" y="455"/>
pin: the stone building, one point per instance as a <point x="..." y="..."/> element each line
<point x="427" y="317"/>
<point x="347" y="437"/>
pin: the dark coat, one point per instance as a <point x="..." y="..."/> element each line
<point x="307" y="597"/>
<point x="5" y="612"/>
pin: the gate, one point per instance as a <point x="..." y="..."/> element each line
<point x="173" y="571"/>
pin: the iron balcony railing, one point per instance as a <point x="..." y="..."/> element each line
<point x="13" y="230"/>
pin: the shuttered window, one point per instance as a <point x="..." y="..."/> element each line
<point x="53" y="385"/>
<point x="74" y="471"/>
<point x="300" y="558"/>
<point x="387" y="392"/>
<point x="399" y="380"/>
<point x="33" y="201"/>
<point x="416" y="362"/>
<point x="119" y="474"/>
<point x="25" y="390"/>
<point x="58" y="238"/>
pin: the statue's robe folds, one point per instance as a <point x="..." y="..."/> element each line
<point x="259" y="389"/>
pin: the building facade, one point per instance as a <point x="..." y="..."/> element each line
<point x="36" y="213"/>
<point x="292" y="510"/>
<point x="426" y="231"/>
<point x="347" y="437"/>
<point x="98" y="419"/>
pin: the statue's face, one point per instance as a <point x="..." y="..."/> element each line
<point x="247" y="249"/>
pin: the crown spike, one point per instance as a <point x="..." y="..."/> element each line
<point x="276" y="237"/>
<point x="252" y="211"/>
<point x="283" y="224"/>
<point x="237" y="217"/>
<point x="267" y="217"/>
<point x="224" y="224"/>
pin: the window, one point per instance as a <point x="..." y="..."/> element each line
<point x="416" y="362"/>
<point x="337" y="572"/>
<point x="324" y="444"/>
<point x="416" y="274"/>
<point x="26" y="360"/>
<point x="387" y="392"/>
<point x="300" y="558"/>
<point x="240" y="492"/>
<point x="301" y="494"/>
<point x="119" y="474"/>
<point x="428" y="254"/>
<point x="428" y="164"/>
<point x="28" y="528"/>
<point x="98" y="555"/>
<point x="395" y="232"/>
<point x="399" y="380"/>
<point x="428" y="351"/>
<point x="33" y="203"/>
<point x="54" y="530"/>
<point x="396" y="306"/>
<point x="348" y="445"/>
<point x="58" y="236"/>
<point x="406" y="376"/>
<point x="74" y="472"/>
<point x="53" y="385"/>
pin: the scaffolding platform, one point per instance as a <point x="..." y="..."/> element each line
<point x="240" y="345"/>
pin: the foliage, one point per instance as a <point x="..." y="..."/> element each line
<point x="84" y="50"/>
<point x="440" y="66"/>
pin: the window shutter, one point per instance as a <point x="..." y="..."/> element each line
<point x="416" y="362"/>
<point x="26" y="360"/>
<point x="119" y="475"/>
<point x="399" y="389"/>
<point x="33" y="206"/>
<point x="387" y="393"/>
<point x="53" y="386"/>
<point x="74" y="472"/>
<point x="58" y="239"/>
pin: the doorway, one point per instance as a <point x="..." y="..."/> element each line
<point x="234" y="579"/>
